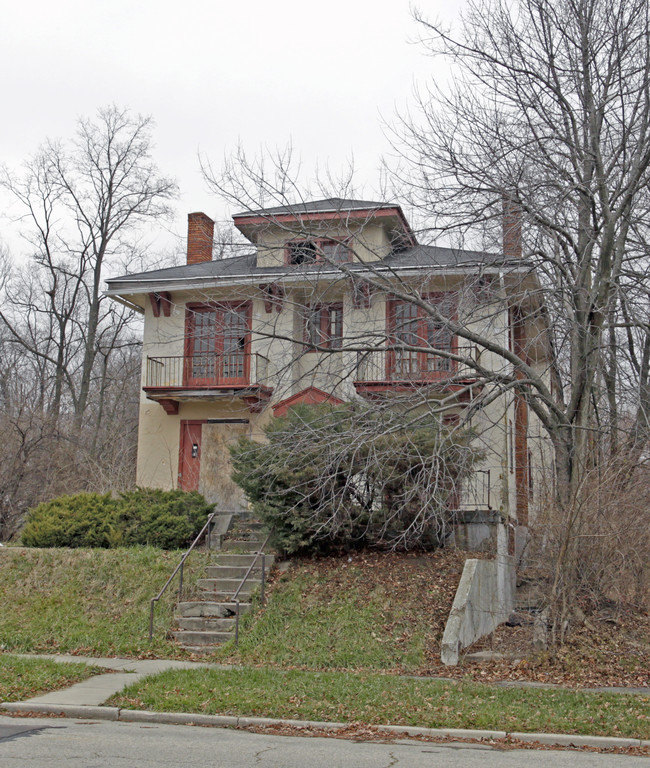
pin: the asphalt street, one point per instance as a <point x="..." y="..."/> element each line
<point x="67" y="743"/>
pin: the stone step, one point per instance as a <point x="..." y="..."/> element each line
<point x="242" y="545"/>
<point x="188" y="637"/>
<point x="228" y="586"/>
<point x="225" y="558"/>
<point x="225" y="597"/>
<point x="205" y="623"/>
<point x="234" y="571"/>
<point x="213" y="608"/>
<point x="198" y="650"/>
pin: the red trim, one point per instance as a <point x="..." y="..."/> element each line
<point x="186" y="483"/>
<point x="273" y="296"/>
<point x="169" y="406"/>
<point x="309" y="396"/>
<point x="242" y="222"/>
<point x="161" y="300"/>
<point x="361" y="295"/>
<point x="319" y="243"/>
<point x="324" y="313"/>
<point x="418" y="360"/>
<point x="375" y="389"/>
<point x="191" y="310"/>
<point x="521" y="452"/>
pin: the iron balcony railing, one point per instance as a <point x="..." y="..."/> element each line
<point x="235" y="368"/>
<point x="405" y="365"/>
<point x="476" y="491"/>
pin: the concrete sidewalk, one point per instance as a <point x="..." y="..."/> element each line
<point x="96" y="690"/>
<point x="83" y="700"/>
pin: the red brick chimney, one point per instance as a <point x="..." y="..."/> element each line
<point x="200" y="232"/>
<point x="511" y="228"/>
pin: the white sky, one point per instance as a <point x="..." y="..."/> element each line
<point x="212" y="74"/>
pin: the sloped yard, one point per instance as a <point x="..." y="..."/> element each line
<point x="92" y="602"/>
<point x="379" y="611"/>
<point x="375" y="611"/>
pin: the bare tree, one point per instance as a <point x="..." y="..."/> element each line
<point x="550" y="112"/>
<point x="83" y="204"/>
<point x="542" y="139"/>
<point x="70" y="374"/>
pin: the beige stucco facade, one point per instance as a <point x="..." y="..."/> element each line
<point x="282" y="365"/>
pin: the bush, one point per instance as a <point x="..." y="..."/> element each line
<point x="82" y="520"/>
<point x="165" y="519"/>
<point x="146" y="516"/>
<point x="354" y="475"/>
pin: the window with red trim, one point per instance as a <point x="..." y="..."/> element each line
<point x="410" y="326"/>
<point x="315" y="251"/>
<point x="324" y="326"/>
<point x="217" y="344"/>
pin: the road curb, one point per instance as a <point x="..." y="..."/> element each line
<point x="67" y="710"/>
<point x="231" y="721"/>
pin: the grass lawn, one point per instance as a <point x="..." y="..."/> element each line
<point x="23" y="678"/>
<point x="382" y="699"/>
<point x="372" y="611"/>
<point x="88" y="601"/>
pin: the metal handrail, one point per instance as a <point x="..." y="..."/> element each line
<point x="178" y="568"/>
<point x="235" y="597"/>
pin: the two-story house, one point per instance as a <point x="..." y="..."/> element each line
<point x="330" y="305"/>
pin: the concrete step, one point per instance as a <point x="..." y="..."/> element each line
<point x="198" y="650"/>
<point x="205" y="623"/>
<point x="212" y="608"/>
<point x="202" y="638"/>
<point x="230" y="559"/>
<point x="225" y="597"/>
<point x="228" y="586"/>
<point x="242" y="545"/>
<point x="234" y="571"/>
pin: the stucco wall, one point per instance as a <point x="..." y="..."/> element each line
<point x="277" y="335"/>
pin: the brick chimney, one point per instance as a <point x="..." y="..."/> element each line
<point x="511" y="228"/>
<point x="200" y="232"/>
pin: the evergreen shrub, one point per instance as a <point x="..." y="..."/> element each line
<point x="354" y="475"/>
<point x="145" y="516"/>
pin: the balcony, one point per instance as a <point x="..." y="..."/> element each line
<point x="394" y="370"/>
<point x="208" y="377"/>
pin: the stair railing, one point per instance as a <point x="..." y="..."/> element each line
<point x="235" y="597"/>
<point x="179" y="567"/>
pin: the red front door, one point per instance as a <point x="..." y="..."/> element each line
<point x="189" y="459"/>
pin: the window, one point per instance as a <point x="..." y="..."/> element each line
<point x="411" y="326"/>
<point x="337" y="253"/>
<point x="302" y="252"/>
<point x="314" y="251"/>
<point x="324" y="326"/>
<point x="217" y="344"/>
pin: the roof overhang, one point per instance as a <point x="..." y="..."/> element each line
<point x="389" y="216"/>
<point x="145" y="285"/>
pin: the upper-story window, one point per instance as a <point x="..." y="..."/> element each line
<point x="217" y="344"/>
<point x="414" y="331"/>
<point x="324" y="326"/>
<point x="317" y="250"/>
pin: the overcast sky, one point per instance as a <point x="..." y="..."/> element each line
<point x="214" y="74"/>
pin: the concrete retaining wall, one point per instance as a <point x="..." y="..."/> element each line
<point x="484" y="599"/>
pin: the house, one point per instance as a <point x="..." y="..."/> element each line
<point x="330" y="304"/>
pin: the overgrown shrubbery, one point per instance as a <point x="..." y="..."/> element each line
<point x="354" y="475"/>
<point x="147" y="516"/>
